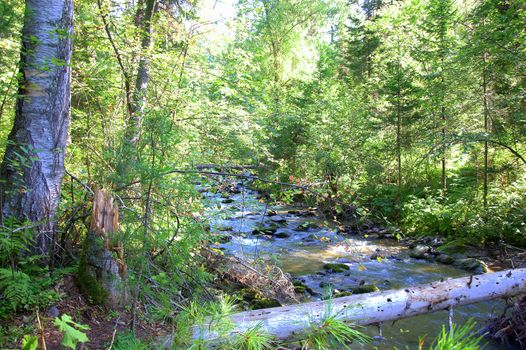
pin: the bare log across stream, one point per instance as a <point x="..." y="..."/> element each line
<point x="365" y="309"/>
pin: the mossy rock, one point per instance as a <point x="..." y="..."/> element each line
<point x="225" y="195"/>
<point x="227" y="201"/>
<point x="267" y="230"/>
<point x="299" y="287"/>
<point x="264" y="303"/>
<point x="454" y="247"/>
<point x="366" y="288"/>
<point x="225" y="239"/>
<point x="282" y="234"/>
<point x="343" y="294"/>
<point x="472" y="265"/>
<point x="225" y="228"/>
<point x="307" y="225"/>
<point x="445" y="259"/>
<point x="420" y="251"/>
<point x="247" y="294"/>
<point x="336" y="267"/>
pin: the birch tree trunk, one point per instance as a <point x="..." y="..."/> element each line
<point x="33" y="165"/>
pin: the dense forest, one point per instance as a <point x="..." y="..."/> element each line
<point x="129" y="128"/>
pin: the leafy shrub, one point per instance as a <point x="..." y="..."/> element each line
<point x="72" y="331"/>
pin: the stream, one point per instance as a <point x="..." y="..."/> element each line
<point x="303" y="243"/>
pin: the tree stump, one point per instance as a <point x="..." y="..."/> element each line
<point x="102" y="271"/>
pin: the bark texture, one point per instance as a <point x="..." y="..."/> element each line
<point x="365" y="309"/>
<point x="33" y="165"/>
<point x="134" y="128"/>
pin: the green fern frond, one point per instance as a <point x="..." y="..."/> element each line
<point x="15" y="287"/>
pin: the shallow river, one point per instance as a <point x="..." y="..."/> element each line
<point x="303" y="253"/>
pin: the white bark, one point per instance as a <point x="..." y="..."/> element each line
<point x="364" y="309"/>
<point x="33" y="165"/>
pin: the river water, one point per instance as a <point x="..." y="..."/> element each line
<point x="303" y="253"/>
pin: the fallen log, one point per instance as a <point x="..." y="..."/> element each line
<point x="365" y="309"/>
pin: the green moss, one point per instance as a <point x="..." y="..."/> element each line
<point x="366" y="288"/>
<point x="268" y="230"/>
<point x="299" y="289"/>
<point x="336" y="267"/>
<point x="89" y="285"/>
<point x="264" y="303"/>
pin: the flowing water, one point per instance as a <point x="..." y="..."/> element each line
<point x="303" y="252"/>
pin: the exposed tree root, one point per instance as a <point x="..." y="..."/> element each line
<point x="510" y="328"/>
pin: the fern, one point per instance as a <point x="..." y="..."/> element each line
<point x="16" y="288"/>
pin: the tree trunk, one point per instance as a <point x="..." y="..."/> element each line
<point x="102" y="272"/>
<point x="134" y="127"/>
<point x="486" y="119"/>
<point x="365" y="309"/>
<point x="33" y="165"/>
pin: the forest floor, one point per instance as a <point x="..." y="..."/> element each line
<point x="104" y="323"/>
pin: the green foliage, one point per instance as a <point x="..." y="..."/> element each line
<point x="128" y="341"/>
<point x="89" y="285"/>
<point x="216" y="313"/>
<point x="15" y="239"/>
<point x="504" y="219"/>
<point x="16" y="289"/>
<point x="30" y="342"/>
<point x="458" y="338"/>
<point x="253" y="339"/>
<point x="72" y="331"/>
<point x="330" y="332"/>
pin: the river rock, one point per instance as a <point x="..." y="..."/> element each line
<point x="377" y="255"/>
<point x="366" y="288"/>
<point x="336" y="267"/>
<point x="311" y="238"/>
<point x="282" y="234"/>
<point x="264" y="303"/>
<point x="299" y="287"/>
<point x="227" y="201"/>
<point x="225" y="228"/>
<point x="52" y="312"/>
<point x="306" y="226"/>
<point x="342" y="294"/>
<point x="225" y="239"/>
<point x="278" y="218"/>
<point x="472" y="265"/>
<point x="267" y="230"/>
<point x="420" y="252"/>
<point x="445" y="259"/>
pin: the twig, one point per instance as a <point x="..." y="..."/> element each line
<point x="41" y="331"/>
<point x="80" y="182"/>
<point x="114" y="332"/>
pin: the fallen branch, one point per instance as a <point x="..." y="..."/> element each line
<point x="365" y="309"/>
